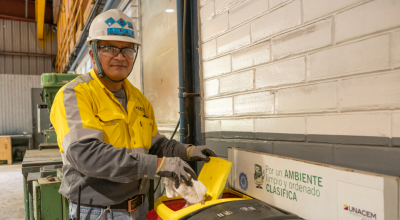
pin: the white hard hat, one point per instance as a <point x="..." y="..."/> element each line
<point x="112" y="25"/>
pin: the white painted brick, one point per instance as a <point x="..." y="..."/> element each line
<point x="396" y="124"/>
<point x="273" y="3"/>
<point x="237" y="82"/>
<point x="371" y="92"/>
<point x="286" y="72"/>
<point x="367" y="18"/>
<point x="212" y="125"/>
<point x="254" y="55"/>
<point x="396" y="49"/>
<point x="317" y="8"/>
<point x="244" y="125"/>
<point x="207" y="11"/>
<point x="367" y="55"/>
<point x="217" y="66"/>
<point x="209" y="49"/>
<point x="214" y="27"/>
<point x="312" y="98"/>
<point x="247" y="10"/>
<point x="218" y="107"/>
<point x="254" y="103"/>
<point x="211" y="88"/>
<point x="361" y="124"/>
<point x="276" y="21"/>
<point x="234" y="39"/>
<point x="203" y="2"/>
<point x="311" y="37"/>
<point x="287" y="125"/>
<point x="223" y="5"/>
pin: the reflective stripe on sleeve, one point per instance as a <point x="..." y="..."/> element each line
<point x="74" y="121"/>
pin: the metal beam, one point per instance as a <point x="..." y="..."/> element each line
<point x="8" y="17"/>
<point x="40" y="10"/>
<point x="27" y="54"/>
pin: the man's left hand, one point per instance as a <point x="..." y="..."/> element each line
<point x="195" y="153"/>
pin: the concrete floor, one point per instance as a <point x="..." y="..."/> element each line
<point x="11" y="192"/>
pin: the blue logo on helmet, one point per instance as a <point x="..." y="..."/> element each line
<point x="121" y="22"/>
<point x="121" y="32"/>
<point x="110" y="21"/>
<point x="243" y="181"/>
<point x="130" y="25"/>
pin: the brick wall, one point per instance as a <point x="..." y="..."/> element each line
<point x="311" y="79"/>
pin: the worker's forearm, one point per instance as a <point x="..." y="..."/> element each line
<point x="162" y="146"/>
<point x="100" y="160"/>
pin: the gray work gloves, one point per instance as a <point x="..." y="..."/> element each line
<point x="178" y="169"/>
<point x="200" y="153"/>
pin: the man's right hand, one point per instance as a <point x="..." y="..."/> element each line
<point x="176" y="168"/>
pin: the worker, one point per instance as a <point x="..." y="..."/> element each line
<point x="107" y="133"/>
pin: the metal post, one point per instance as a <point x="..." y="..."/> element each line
<point x="151" y="195"/>
<point x="26" y="197"/>
<point x="26" y="8"/>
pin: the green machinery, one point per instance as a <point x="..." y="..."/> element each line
<point x="42" y="169"/>
<point x="51" y="83"/>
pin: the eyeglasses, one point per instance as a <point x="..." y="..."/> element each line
<point x="111" y="51"/>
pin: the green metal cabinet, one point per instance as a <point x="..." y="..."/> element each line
<point x="47" y="202"/>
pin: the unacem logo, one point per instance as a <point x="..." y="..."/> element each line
<point x="358" y="211"/>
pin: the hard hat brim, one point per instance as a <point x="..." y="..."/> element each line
<point x="114" y="38"/>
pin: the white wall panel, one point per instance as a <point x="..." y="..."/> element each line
<point x="362" y="56"/>
<point x="282" y="73"/>
<point x="367" y="18"/>
<point x="16" y="109"/>
<point x="371" y="92"/>
<point x="214" y="27"/>
<point x="310" y="37"/>
<point x="366" y="124"/>
<point x="242" y="125"/>
<point x="234" y="39"/>
<point x="237" y="82"/>
<point x="276" y="21"/>
<point x="316" y="8"/>
<point x="250" y="56"/>
<point x="212" y="125"/>
<point x="246" y="10"/>
<point x="288" y="125"/>
<point x="254" y="103"/>
<point x="312" y="98"/>
<point x="217" y="66"/>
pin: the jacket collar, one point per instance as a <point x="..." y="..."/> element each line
<point x="129" y="88"/>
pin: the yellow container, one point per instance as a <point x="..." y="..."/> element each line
<point x="213" y="175"/>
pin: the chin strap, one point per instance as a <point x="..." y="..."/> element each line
<point x="98" y="64"/>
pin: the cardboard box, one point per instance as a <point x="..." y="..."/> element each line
<point x="5" y="149"/>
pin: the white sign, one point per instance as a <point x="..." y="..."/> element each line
<point x="314" y="191"/>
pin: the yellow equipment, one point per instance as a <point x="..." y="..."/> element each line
<point x="213" y="175"/>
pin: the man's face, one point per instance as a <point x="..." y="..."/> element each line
<point x="116" y="68"/>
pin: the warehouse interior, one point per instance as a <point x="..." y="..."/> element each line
<point x="307" y="87"/>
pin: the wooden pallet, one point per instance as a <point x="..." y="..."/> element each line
<point x="5" y="149"/>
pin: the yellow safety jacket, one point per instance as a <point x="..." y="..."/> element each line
<point x="104" y="148"/>
<point x="100" y="110"/>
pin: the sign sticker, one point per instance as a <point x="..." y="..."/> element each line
<point x="122" y="22"/>
<point x="110" y="21"/>
<point x="243" y="181"/>
<point x="121" y="31"/>
<point x="130" y="25"/>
